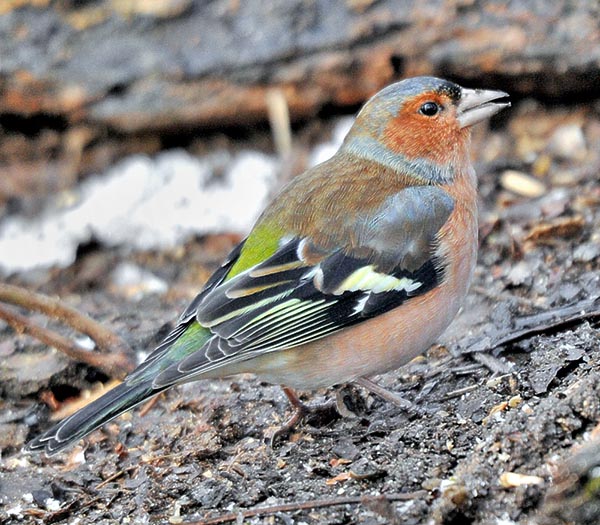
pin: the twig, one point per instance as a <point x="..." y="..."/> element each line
<point x="459" y="392"/>
<point x="498" y="296"/>
<point x="309" y="505"/>
<point x="114" y="366"/>
<point x="279" y="118"/>
<point x="116" y="475"/>
<point x="147" y="406"/>
<point x="56" y="309"/>
<point x="549" y="321"/>
<point x="580" y="311"/>
<point x="494" y="364"/>
<point x="112" y="345"/>
<point x="465" y="370"/>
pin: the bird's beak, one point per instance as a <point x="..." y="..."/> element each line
<point x="476" y="105"/>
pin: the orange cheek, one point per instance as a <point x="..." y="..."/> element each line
<point x="415" y="137"/>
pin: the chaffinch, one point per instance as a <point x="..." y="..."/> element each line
<point x="356" y="267"/>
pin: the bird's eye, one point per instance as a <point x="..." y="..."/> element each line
<point x="429" y="109"/>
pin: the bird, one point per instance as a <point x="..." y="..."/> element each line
<point x="356" y="267"/>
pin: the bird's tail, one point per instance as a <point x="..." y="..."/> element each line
<point x="89" y="418"/>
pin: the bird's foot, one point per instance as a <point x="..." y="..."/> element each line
<point x="330" y="409"/>
<point x="302" y="411"/>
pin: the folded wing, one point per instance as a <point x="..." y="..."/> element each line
<point x="304" y="292"/>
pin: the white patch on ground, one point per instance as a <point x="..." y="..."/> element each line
<point x="505" y="521"/>
<point x="52" y="504"/>
<point x="142" y="203"/>
<point x="17" y="511"/>
<point x="135" y="282"/>
<point x="85" y="342"/>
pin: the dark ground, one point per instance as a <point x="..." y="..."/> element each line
<point x="529" y="407"/>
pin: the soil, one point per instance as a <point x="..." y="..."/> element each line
<point x="506" y="407"/>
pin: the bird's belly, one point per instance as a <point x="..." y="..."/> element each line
<point x="374" y="347"/>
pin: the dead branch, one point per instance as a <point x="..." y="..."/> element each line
<point x="113" y="364"/>
<point x="115" y="359"/>
<point x="549" y="321"/>
<point x="309" y="505"/>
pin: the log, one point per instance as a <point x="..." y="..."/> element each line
<point x="138" y="67"/>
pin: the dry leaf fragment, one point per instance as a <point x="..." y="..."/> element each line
<point x="344" y="476"/>
<point x="334" y="462"/>
<point x="515" y="401"/>
<point x="86" y="397"/>
<point x="350" y="474"/>
<point x="495" y="410"/>
<point x="562" y="227"/>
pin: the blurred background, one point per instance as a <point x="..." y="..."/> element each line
<point x="141" y="124"/>
<point x="139" y="140"/>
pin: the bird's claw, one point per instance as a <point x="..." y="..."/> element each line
<point x="301" y="412"/>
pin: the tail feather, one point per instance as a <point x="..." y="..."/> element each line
<point x="116" y="401"/>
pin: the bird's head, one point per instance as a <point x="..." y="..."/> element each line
<point x="421" y="121"/>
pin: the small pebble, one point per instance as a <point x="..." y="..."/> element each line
<point x="522" y="184"/>
<point x="520" y="274"/>
<point x="133" y="281"/>
<point x="568" y="142"/>
<point x="586" y="252"/>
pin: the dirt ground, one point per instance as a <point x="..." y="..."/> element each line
<point x="507" y="406"/>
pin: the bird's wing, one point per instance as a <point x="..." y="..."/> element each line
<point x="186" y="319"/>
<point x="304" y="292"/>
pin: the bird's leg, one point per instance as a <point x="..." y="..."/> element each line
<point x="376" y="389"/>
<point x="301" y="410"/>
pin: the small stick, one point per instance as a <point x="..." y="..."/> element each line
<point x="309" y="505"/>
<point x="114" y="364"/>
<point x="459" y="392"/>
<point x="106" y="340"/>
<point x="279" y="118"/>
<point x="371" y="386"/>
<point x="545" y="322"/>
<point x="147" y="406"/>
<point x="56" y="309"/>
<point x="116" y="475"/>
